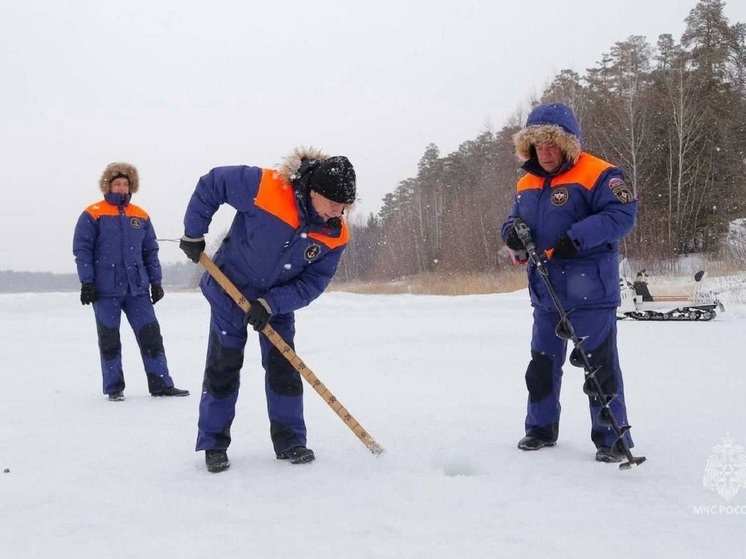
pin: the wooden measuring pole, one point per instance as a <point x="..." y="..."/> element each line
<point x="293" y="358"/>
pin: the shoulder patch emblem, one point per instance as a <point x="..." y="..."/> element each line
<point x="135" y="223"/>
<point x="560" y="196"/>
<point x="312" y="252"/>
<point x="621" y="191"/>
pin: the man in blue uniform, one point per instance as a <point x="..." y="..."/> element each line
<point x="116" y="254"/>
<point x="281" y="252"/>
<point x="578" y="208"/>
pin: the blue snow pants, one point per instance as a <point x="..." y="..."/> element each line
<point x="282" y="383"/>
<point x="544" y="372"/>
<point x="141" y="316"/>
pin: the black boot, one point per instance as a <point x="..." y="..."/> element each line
<point x="529" y="442"/>
<point x="216" y="461"/>
<point x="606" y="454"/>
<point x="297" y="455"/>
<point x="173" y="391"/>
<point x="116" y="397"/>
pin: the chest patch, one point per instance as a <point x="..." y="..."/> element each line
<point x="312" y="252"/>
<point x="620" y="190"/>
<point x="560" y="196"/>
<point x="135" y="223"/>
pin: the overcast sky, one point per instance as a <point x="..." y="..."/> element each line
<point x="179" y="87"/>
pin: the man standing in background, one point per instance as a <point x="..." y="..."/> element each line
<point x="116" y="254"/>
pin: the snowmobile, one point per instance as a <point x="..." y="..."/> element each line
<point x="688" y="301"/>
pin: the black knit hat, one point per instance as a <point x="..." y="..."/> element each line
<point x="335" y="179"/>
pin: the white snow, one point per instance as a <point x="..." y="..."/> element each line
<point x="437" y="381"/>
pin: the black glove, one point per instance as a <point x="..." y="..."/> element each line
<point x="87" y="293"/>
<point x="258" y="315"/>
<point x="156" y="293"/>
<point x="513" y="241"/>
<point x="192" y="247"/>
<point x="564" y="247"/>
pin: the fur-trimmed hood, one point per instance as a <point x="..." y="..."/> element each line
<point x="290" y="167"/>
<point x="119" y="168"/>
<point x="553" y="123"/>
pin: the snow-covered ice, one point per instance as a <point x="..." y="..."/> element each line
<point x="437" y="381"/>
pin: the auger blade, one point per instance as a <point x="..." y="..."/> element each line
<point x="632" y="462"/>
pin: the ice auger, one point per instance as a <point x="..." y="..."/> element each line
<point x="578" y="357"/>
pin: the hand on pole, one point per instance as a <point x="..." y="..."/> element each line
<point x="192" y="247"/>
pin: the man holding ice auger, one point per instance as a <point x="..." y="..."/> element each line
<point x="577" y="208"/>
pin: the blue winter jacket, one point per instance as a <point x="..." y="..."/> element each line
<point x="277" y="247"/>
<point x="589" y="201"/>
<point x="115" y="247"/>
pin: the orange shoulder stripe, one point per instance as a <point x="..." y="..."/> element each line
<point x="103" y="208"/>
<point x="135" y="211"/>
<point x="333" y="242"/>
<point x="276" y="197"/>
<point x="586" y="174"/>
<point x="529" y="181"/>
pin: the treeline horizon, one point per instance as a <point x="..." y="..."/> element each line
<point x="672" y="116"/>
<point x="177" y="275"/>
